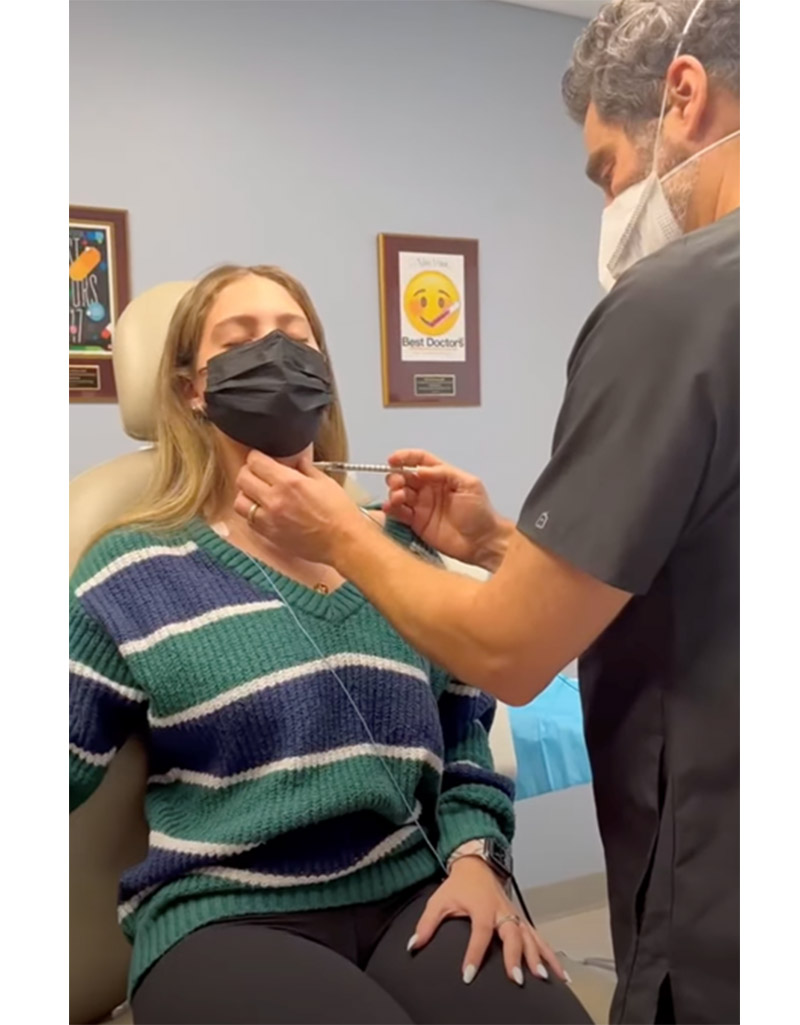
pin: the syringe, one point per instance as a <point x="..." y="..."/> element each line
<point x="363" y="468"/>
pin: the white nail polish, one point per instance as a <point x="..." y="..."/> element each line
<point x="542" y="972"/>
<point x="411" y="943"/>
<point x="517" y="973"/>
<point x="567" y="978"/>
<point x="469" y="973"/>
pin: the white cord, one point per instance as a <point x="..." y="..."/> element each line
<point x="412" y="814"/>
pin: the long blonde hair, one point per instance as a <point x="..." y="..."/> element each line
<point x="189" y="480"/>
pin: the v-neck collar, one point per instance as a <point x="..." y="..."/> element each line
<point x="334" y="607"/>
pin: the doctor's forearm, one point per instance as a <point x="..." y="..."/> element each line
<point x="447" y="617"/>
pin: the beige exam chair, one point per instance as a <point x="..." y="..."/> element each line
<point x="108" y="833"/>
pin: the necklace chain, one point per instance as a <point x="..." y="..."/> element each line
<point x="320" y="587"/>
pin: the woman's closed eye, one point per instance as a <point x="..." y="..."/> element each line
<point x="232" y="343"/>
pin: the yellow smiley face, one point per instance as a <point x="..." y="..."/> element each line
<point x="431" y="302"/>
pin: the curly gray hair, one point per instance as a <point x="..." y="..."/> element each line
<point x="620" y="60"/>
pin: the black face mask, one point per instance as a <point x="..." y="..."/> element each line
<point x="270" y="394"/>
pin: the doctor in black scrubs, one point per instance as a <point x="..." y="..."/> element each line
<point x="626" y="553"/>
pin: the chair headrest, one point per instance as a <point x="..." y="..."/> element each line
<point x="139" y="338"/>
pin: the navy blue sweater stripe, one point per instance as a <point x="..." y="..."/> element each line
<point x="275" y="723"/>
<point x="99" y="718"/>
<point x="195" y="586"/>
<point x="459" y="774"/>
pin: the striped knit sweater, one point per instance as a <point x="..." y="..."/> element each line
<point x="264" y="792"/>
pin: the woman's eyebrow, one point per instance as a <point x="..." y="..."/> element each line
<point x="292" y="318"/>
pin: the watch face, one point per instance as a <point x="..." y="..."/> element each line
<point x="500" y="856"/>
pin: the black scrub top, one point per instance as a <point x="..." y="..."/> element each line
<point x="642" y="492"/>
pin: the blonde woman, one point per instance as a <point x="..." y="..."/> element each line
<point x="328" y="839"/>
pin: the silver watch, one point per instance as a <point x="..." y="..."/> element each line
<point x="496" y="855"/>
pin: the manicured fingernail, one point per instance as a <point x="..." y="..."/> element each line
<point x="542" y="972"/>
<point x="567" y="978"/>
<point x="517" y="973"/>
<point x="469" y="973"/>
<point x="412" y="943"/>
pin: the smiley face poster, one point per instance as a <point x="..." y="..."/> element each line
<point x="429" y="320"/>
<point x="432" y="316"/>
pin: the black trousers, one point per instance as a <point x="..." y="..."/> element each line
<point x="348" y="966"/>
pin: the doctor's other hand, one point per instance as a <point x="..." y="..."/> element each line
<point x="448" y="508"/>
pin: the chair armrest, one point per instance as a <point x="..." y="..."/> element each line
<point x="501" y="739"/>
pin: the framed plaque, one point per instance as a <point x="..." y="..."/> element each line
<point x="99" y="290"/>
<point x="430" y="320"/>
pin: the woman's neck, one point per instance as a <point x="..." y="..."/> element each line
<point x="233" y="456"/>
<point x="237" y="530"/>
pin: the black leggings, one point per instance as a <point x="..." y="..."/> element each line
<point x="348" y="966"/>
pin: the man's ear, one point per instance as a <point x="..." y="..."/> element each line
<point x="687" y="96"/>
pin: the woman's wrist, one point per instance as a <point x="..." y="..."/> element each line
<point x="468" y="863"/>
<point x="471" y="869"/>
<point x="494" y="855"/>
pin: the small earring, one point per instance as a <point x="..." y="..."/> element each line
<point x="199" y="414"/>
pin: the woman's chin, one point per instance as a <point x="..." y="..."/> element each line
<point x="294" y="460"/>
<point x="237" y="452"/>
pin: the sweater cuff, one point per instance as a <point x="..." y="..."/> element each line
<point x="458" y="825"/>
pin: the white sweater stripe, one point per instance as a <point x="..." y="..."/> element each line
<point x="187" y="626"/>
<point x="299" y="762"/>
<point x="99" y="759"/>
<point x="269" y="879"/>
<point x="85" y="672"/>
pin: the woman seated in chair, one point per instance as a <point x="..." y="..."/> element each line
<point x="328" y="839"/>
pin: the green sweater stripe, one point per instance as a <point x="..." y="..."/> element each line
<point x="277" y="803"/>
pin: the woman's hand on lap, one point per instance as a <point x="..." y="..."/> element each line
<point x="472" y="890"/>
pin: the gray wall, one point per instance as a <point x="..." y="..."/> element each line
<point x="557" y="838"/>
<point x="295" y="132"/>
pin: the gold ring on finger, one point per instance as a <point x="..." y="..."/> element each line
<point x="251" y="515"/>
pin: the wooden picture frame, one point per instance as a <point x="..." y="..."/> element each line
<point x="430" y="320"/>
<point x="99" y="290"/>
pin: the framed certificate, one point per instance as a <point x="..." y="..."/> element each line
<point x="99" y="289"/>
<point x="430" y="320"/>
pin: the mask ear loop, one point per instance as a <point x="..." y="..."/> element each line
<point x="701" y="153"/>
<point x="663" y="112"/>
<point x="653" y="173"/>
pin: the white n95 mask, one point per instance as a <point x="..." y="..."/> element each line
<point x="640" y="221"/>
